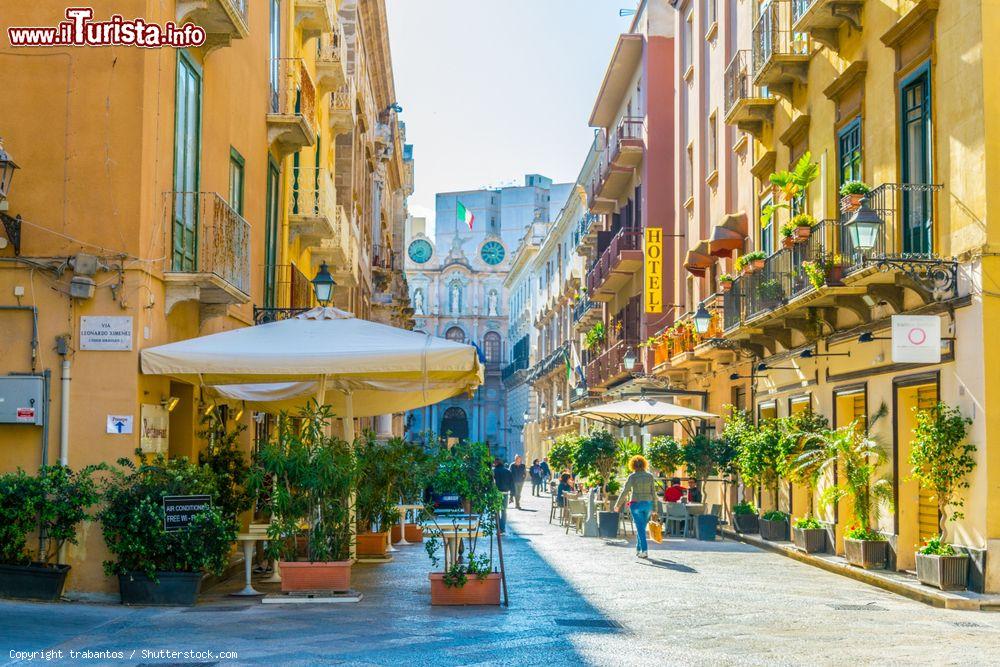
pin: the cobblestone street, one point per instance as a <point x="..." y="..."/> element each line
<point x="573" y="601"/>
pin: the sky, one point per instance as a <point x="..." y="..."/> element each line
<point x="492" y="90"/>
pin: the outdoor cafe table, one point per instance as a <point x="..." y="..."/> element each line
<point x="463" y="527"/>
<point x="249" y="542"/>
<point x="403" y="509"/>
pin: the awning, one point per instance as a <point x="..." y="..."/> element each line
<point x="698" y="259"/>
<point x="729" y="235"/>
<point x="641" y="412"/>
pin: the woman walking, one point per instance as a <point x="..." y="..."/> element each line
<point x="536" y="478"/>
<point x="640" y="492"/>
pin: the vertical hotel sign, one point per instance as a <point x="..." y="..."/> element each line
<point x="652" y="279"/>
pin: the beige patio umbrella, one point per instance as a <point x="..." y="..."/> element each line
<point x="641" y="412"/>
<point x="358" y="367"/>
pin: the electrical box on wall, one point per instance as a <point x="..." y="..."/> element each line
<point x="21" y="400"/>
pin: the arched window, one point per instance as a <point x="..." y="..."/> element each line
<point x="491" y="347"/>
<point x="456" y="334"/>
<point x="454" y="423"/>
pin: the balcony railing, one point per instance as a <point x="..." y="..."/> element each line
<point x="625" y="239"/>
<point x="383" y="258"/>
<point x="582" y="307"/>
<point x="312" y="192"/>
<point x="209" y="237"/>
<point x="739" y="81"/>
<point x="628" y="134"/>
<point x="799" y="8"/>
<point x="608" y="365"/>
<point x="292" y="90"/>
<point x="222" y="20"/>
<point x="773" y="38"/>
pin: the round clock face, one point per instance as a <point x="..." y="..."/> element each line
<point x="492" y="253"/>
<point x="420" y="251"/>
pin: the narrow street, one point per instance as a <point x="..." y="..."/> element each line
<point x="573" y="601"/>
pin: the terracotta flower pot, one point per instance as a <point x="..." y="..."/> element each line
<point x="757" y="264"/>
<point x="414" y="533"/>
<point x="835" y="275"/>
<point x="949" y="573"/>
<point x="372" y="544"/>
<point x="851" y="203"/>
<point x="787" y="241"/>
<point x="867" y="554"/>
<point x="327" y="576"/>
<point x="725" y="286"/>
<point x="803" y="233"/>
<point x="476" y="591"/>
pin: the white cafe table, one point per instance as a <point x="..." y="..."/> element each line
<point x="249" y="542"/>
<point x="403" y="509"/>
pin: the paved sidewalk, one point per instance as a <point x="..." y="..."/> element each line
<point x="573" y="601"/>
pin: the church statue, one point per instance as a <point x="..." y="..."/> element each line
<point x="455" y="298"/>
<point x="418" y="301"/>
<point x="492" y="304"/>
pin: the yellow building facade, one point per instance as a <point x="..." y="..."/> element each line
<point x="169" y="193"/>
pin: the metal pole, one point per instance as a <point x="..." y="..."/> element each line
<point x="64" y="399"/>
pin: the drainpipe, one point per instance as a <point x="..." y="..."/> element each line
<point x="62" y="349"/>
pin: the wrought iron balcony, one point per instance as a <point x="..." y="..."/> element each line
<point x="620" y="260"/>
<point x="342" y="110"/>
<point x="608" y="366"/>
<point x="780" y="56"/>
<point x="313" y="216"/>
<point x="222" y="20"/>
<point x="822" y="19"/>
<point x="209" y="252"/>
<point x="331" y="61"/>
<point x="747" y="106"/>
<point x="291" y="114"/>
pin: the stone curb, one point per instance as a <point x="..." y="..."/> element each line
<point x="915" y="591"/>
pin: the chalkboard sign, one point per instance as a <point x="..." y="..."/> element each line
<point x="179" y="511"/>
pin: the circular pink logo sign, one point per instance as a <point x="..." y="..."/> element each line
<point x="917" y="336"/>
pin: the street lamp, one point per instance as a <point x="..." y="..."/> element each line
<point x="702" y="319"/>
<point x="7" y="168"/>
<point x="525" y="416"/>
<point x="580" y="389"/>
<point x="559" y="404"/>
<point x="628" y="361"/>
<point x="863" y="228"/>
<point x="323" y="285"/>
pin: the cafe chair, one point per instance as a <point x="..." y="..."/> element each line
<point x="677" y="517"/>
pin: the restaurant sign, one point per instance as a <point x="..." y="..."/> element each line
<point x="916" y="339"/>
<point x="180" y="511"/>
<point x="653" y="276"/>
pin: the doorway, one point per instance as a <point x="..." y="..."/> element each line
<point x="455" y="424"/>
<point x="916" y="515"/>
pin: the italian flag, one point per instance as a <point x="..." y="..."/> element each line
<point x="465" y="215"/>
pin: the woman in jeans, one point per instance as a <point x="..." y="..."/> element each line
<point x="640" y="492"/>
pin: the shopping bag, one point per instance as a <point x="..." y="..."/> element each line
<point x="655" y="531"/>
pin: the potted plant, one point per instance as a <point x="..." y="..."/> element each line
<point x="596" y="456"/>
<point x="863" y="460"/>
<point x="835" y="270"/>
<point x="941" y="461"/>
<point x="787" y="231"/>
<point x="465" y="470"/>
<point x="305" y="478"/>
<point x="725" y="282"/>
<point x="595" y="336"/>
<point x="665" y="454"/>
<point x="745" y="518"/>
<point x="414" y="468"/>
<point x="704" y="457"/>
<point x="851" y="194"/>
<point x="774" y="526"/>
<point x="375" y="503"/>
<point x="157" y="564"/>
<point x="223" y="456"/>
<point x="53" y="504"/>
<point x="795" y="184"/>
<point x="755" y="260"/>
<point x="803" y="223"/>
<point x="770" y="291"/>
<point x="815" y="272"/>
<point x="563" y="453"/>
<point x="808" y="534"/>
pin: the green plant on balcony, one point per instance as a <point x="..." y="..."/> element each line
<point x="797" y="181"/>
<point x="787" y="230"/>
<point x="770" y="290"/>
<point x="595" y="337"/>
<point x="750" y="262"/>
<point x="815" y="271"/>
<point x="803" y="220"/>
<point x="854" y="188"/>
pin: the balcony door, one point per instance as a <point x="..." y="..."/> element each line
<point x="187" y="149"/>
<point x="272" y="215"/>
<point x="916" y="164"/>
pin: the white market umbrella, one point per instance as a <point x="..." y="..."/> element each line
<point x="360" y="368"/>
<point x="641" y="412"/>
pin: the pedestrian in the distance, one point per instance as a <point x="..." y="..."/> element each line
<point x="546" y="471"/>
<point x="502" y="478"/>
<point x="535" y="471"/>
<point x="640" y="493"/>
<point x="518" y="473"/>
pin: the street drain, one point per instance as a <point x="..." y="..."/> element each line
<point x="967" y="624"/>
<point x="228" y="607"/>
<point x="858" y="607"/>
<point x="589" y="623"/>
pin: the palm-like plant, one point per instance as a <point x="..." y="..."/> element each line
<point x="803" y="451"/>
<point x="862" y="459"/>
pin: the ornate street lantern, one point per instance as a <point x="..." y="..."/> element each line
<point x="323" y="285"/>
<point x="628" y="361"/>
<point x="863" y="228"/>
<point x="7" y="168"/>
<point x="702" y="320"/>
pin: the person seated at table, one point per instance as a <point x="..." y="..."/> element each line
<point x="675" y="492"/>
<point x="693" y="492"/>
<point x="564" y="487"/>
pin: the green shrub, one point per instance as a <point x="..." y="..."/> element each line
<point x="854" y="188"/>
<point x="665" y="454"/>
<point x="597" y="455"/>
<point x="775" y="515"/>
<point x="808" y="523"/>
<point x="223" y="455"/>
<point x="861" y="533"/>
<point x="132" y="519"/>
<point x="745" y="507"/>
<point x="935" y="547"/>
<point x="941" y="459"/>
<point x="563" y="453"/>
<point x="803" y="220"/>
<point x="377" y="469"/>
